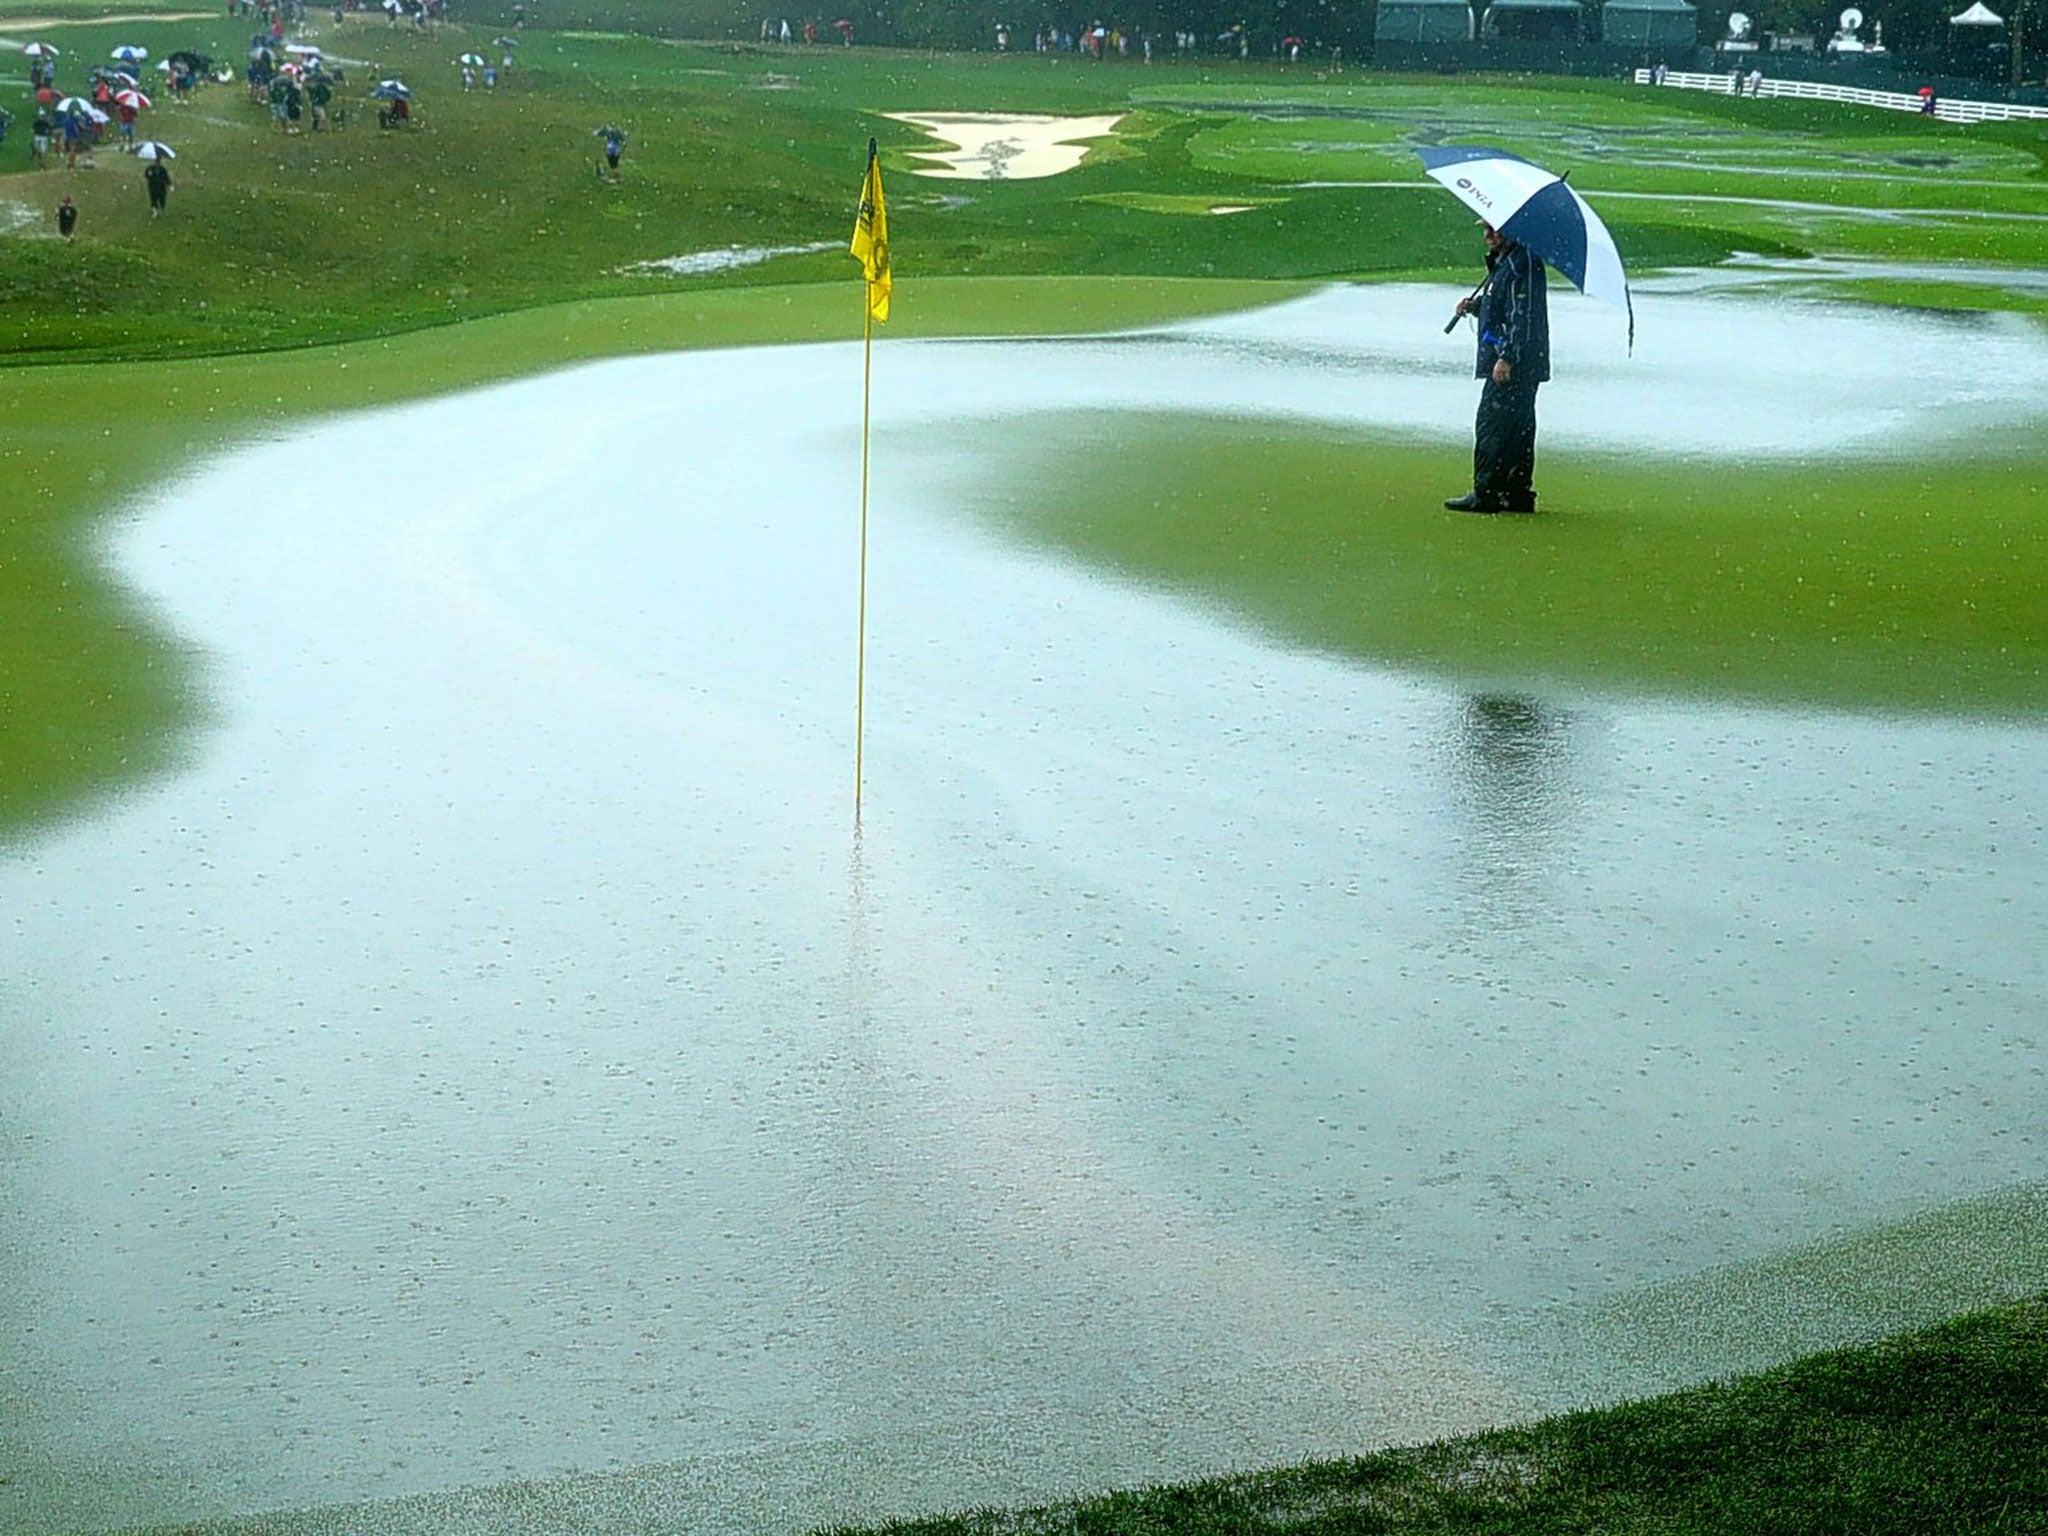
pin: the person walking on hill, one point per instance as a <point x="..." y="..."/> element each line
<point x="1514" y="360"/>
<point x="157" y="177"/>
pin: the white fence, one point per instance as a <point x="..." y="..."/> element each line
<point x="1736" y="83"/>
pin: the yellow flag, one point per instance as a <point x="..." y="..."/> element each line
<point x="871" y="238"/>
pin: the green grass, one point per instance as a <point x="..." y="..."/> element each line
<point x="1869" y="588"/>
<point x="1944" y="1430"/>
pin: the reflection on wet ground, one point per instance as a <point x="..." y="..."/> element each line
<point x="495" y="1060"/>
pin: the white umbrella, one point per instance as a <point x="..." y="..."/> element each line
<point x="40" y="51"/>
<point x="150" y="149"/>
<point x="471" y="59"/>
<point x="72" y="106"/>
<point x="305" y="50"/>
<point x="1535" y="208"/>
<point x="130" y="54"/>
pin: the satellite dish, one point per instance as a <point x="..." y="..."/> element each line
<point x="1738" y="24"/>
<point x="1851" y="19"/>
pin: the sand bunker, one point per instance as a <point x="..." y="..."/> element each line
<point x="996" y="146"/>
<point x="695" y="263"/>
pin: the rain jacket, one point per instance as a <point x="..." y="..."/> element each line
<point x="1514" y="316"/>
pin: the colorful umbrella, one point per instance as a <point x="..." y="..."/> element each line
<point x="473" y="59"/>
<point x="133" y="99"/>
<point x="130" y="54"/>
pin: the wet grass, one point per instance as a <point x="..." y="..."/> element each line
<point x="1889" y="588"/>
<point x="1943" y="1430"/>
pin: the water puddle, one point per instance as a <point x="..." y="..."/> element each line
<point x="496" y="1058"/>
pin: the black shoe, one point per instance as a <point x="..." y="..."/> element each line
<point x="1473" y="501"/>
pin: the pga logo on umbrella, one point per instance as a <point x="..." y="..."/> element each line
<point x="1473" y="195"/>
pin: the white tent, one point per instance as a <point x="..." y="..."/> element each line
<point x="1978" y="15"/>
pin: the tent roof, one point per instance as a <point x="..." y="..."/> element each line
<point x="1978" y="15"/>
<point x="1536" y="5"/>
<point x="1676" y="7"/>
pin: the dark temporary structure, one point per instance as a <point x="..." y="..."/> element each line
<point x="1533" y="21"/>
<point x="1649" y="24"/>
<point x="1422" y="21"/>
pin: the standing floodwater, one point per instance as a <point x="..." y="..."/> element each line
<point x="493" y="1059"/>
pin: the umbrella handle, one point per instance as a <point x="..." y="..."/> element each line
<point x="1451" y="324"/>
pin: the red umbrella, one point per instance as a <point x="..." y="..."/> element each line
<point x="1926" y="90"/>
<point x="131" y="98"/>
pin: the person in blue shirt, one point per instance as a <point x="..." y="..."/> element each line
<point x="1514" y="360"/>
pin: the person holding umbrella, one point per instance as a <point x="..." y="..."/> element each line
<point x="1531" y="218"/>
<point x="157" y="177"/>
<point x="1514" y="360"/>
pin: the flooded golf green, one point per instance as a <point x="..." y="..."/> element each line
<point x="492" y="1076"/>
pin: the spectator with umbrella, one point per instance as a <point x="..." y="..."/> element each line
<point x="397" y="98"/>
<point x="127" y="106"/>
<point x="157" y="177"/>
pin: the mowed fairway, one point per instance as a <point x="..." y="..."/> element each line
<point x="1320" y="969"/>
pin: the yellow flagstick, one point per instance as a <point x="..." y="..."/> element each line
<point x="860" y="646"/>
<point x="871" y="249"/>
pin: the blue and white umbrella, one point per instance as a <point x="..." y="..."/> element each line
<point x="1535" y="208"/>
<point x="130" y="54"/>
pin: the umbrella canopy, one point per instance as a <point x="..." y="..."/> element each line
<point x="77" y="106"/>
<point x="392" y="90"/>
<point x="1978" y="15"/>
<point x="1535" y="208"/>
<point x="40" y="51"/>
<point x="130" y="54"/>
<point x="132" y="99"/>
<point x="150" y="149"/>
<point x="471" y="58"/>
<point x="303" y="50"/>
